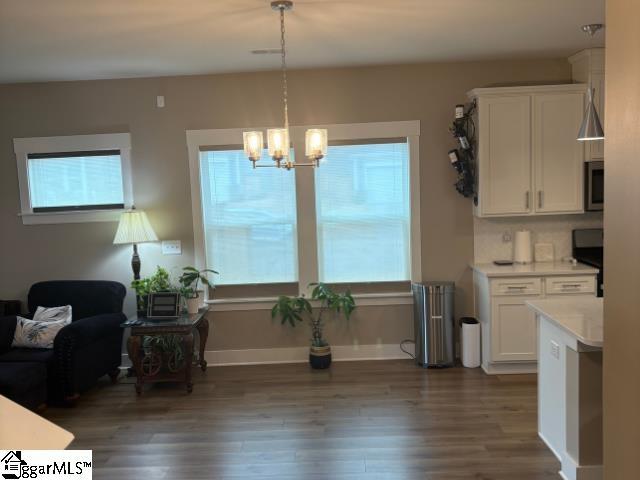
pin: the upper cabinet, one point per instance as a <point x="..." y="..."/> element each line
<point x="528" y="159"/>
<point x="587" y="67"/>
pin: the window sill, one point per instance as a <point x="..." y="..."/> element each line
<point x="71" y="217"/>
<point x="266" y="303"/>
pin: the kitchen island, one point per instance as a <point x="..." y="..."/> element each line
<point x="570" y="339"/>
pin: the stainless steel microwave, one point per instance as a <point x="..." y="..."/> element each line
<point x="594" y="186"/>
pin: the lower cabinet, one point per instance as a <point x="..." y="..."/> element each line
<point x="513" y="332"/>
<point x="509" y="328"/>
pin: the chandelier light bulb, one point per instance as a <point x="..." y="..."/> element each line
<point x="316" y="143"/>
<point x="253" y="144"/>
<point x="278" y="143"/>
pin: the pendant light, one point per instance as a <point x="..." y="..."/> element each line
<point x="278" y="139"/>
<point x="591" y="128"/>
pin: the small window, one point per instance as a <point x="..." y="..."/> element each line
<point x="61" y="182"/>
<point x="73" y="179"/>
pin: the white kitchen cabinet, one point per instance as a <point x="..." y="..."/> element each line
<point x="509" y="332"/>
<point x="587" y="67"/>
<point x="513" y="330"/>
<point x="506" y="146"/>
<point x="528" y="159"/>
<point x="558" y="158"/>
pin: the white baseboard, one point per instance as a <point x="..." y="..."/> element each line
<point x="510" y="368"/>
<point x="339" y="353"/>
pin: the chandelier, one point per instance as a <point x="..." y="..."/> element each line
<point x="278" y="142"/>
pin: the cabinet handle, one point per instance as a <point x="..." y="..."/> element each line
<point x="526" y="200"/>
<point x="540" y="199"/>
<point x="513" y="287"/>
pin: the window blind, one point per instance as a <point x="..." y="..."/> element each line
<point x="75" y="180"/>
<point x="363" y="217"/>
<point x="249" y="219"/>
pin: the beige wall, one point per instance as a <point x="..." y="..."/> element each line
<point x="426" y="92"/>
<point x="622" y="243"/>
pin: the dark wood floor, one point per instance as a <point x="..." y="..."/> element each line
<point x="360" y="420"/>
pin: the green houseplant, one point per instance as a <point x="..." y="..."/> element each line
<point x="158" y="282"/>
<point x="295" y="309"/>
<point x="189" y="280"/>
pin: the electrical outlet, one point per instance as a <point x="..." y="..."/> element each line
<point x="171" y="247"/>
<point x="555" y="349"/>
<point x="160" y="101"/>
<point x="506" y="237"/>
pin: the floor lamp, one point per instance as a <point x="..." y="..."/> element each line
<point x="134" y="228"/>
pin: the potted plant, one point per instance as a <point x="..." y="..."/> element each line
<point x="189" y="286"/>
<point x="158" y="282"/>
<point x="295" y="309"/>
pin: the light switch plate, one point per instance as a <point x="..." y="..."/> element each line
<point x="555" y="349"/>
<point x="171" y="247"/>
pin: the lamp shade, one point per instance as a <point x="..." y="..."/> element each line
<point x="134" y="227"/>
<point x="591" y="128"/>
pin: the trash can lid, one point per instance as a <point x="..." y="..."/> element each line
<point x="432" y="286"/>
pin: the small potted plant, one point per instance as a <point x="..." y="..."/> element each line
<point x="189" y="286"/>
<point x="295" y="309"/>
<point x="158" y="282"/>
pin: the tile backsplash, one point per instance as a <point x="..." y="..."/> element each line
<point x="489" y="244"/>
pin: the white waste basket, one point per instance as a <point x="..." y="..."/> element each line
<point x="470" y="342"/>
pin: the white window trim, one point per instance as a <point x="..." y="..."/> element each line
<point x="307" y="249"/>
<point x="108" y="141"/>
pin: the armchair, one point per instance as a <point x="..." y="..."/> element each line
<point x="83" y="351"/>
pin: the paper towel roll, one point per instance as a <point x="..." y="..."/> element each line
<point x="522" y="247"/>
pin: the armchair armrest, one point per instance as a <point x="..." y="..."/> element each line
<point x="88" y="330"/>
<point x="85" y="350"/>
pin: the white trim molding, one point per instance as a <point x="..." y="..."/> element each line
<point x="74" y="143"/>
<point x="306" y="223"/>
<point x="267" y="356"/>
<point x="266" y="303"/>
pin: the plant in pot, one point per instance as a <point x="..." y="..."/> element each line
<point x="296" y="309"/>
<point x="189" y="286"/>
<point x="158" y="282"/>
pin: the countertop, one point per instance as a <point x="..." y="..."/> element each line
<point x="533" y="269"/>
<point x="580" y="317"/>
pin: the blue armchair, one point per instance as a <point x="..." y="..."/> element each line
<point x="83" y="351"/>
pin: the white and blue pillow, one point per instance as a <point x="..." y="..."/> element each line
<point x="42" y="330"/>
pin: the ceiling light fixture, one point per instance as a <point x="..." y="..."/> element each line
<point x="591" y="128"/>
<point x="278" y="142"/>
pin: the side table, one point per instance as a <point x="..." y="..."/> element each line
<point x="153" y="365"/>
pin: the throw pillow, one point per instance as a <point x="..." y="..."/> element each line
<point x="42" y="330"/>
<point x="53" y="314"/>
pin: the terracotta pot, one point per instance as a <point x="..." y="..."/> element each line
<point x="193" y="304"/>
<point x="320" y="357"/>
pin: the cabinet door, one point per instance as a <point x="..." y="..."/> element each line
<point x="514" y="335"/>
<point x="505" y="155"/>
<point x="597" y="146"/>
<point x="558" y="158"/>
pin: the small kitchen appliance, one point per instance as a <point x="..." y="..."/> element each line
<point x="522" y="247"/>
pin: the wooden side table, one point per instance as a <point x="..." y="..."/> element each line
<point x="152" y="365"/>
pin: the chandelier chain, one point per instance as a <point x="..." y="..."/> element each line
<point x="284" y="70"/>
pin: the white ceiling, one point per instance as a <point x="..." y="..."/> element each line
<point x="42" y="40"/>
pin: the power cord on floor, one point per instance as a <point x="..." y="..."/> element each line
<point x="402" y="343"/>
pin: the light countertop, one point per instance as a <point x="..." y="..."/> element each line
<point x="533" y="269"/>
<point x="580" y="317"/>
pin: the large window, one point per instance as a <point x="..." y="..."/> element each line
<point x="354" y="220"/>
<point x="249" y="219"/>
<point x="73" y="179"/>
<point x="362" y="213"/>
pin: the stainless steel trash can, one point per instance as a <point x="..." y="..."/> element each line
<point x="433" y="323"/>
